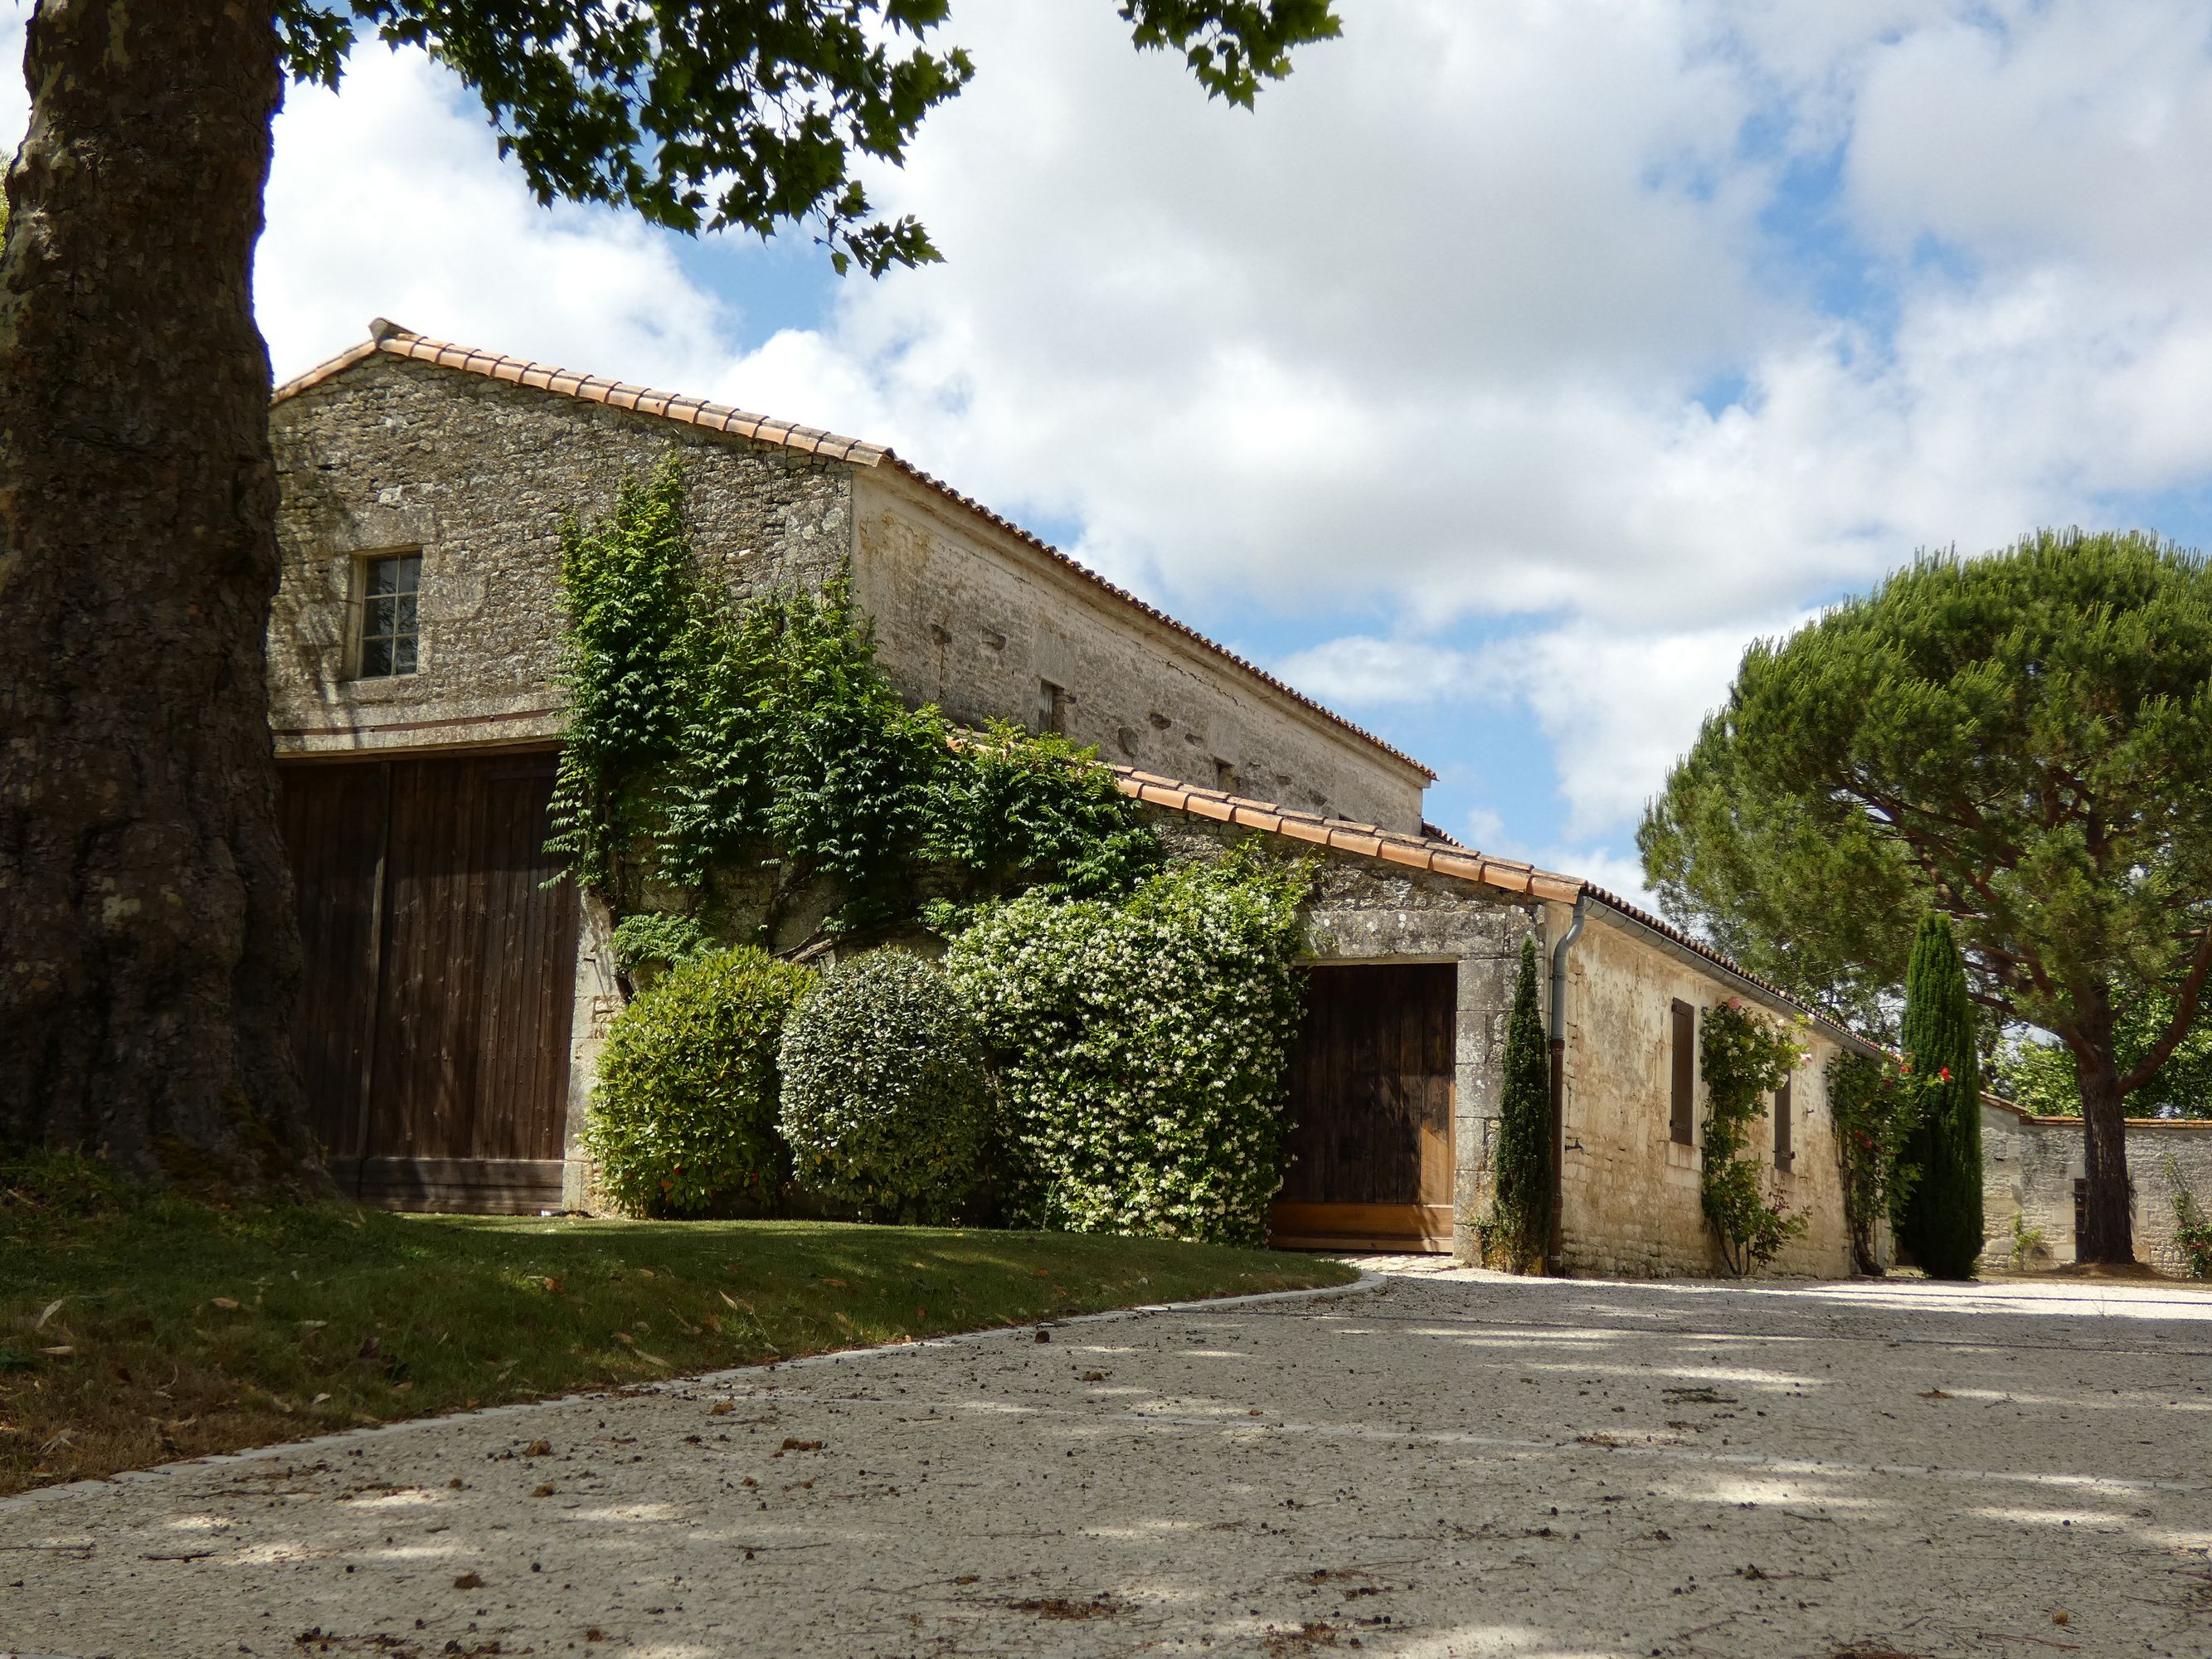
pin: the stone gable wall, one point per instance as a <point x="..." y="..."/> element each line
<point x="394" y="455"/>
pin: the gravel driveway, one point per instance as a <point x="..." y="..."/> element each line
<point x="1450" y="1463"/>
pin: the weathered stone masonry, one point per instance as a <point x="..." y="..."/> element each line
<point x="2030" y="1167"/>
<point x="396" y="455"/>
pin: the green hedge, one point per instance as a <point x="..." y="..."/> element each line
<point x="684" y="1116"/>
<point x="1140" y="1049"/>
<point x="885" y="1103"/>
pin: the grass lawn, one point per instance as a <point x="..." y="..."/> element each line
<point x="136" y="1329"/>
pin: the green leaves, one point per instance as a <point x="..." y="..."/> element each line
<point x="1743" y="1058"/>
<point x="684" y="1119"/>
<point x="1522" y="1210"/>
<point x="885" y="1105"/>
<point x="748" y="114"/>
<point x="1140" y="1049"/>
<point x="1232" y="48"/>
<point x="1940" y="1221"/>
<point x="1022" y="811"/>
<point x="2023" y="741"/>
<point x="704" y="742"/>
<point x="636" y="653"/>
<point x="1874" y="1117"/>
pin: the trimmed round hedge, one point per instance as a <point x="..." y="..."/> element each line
<point x="1140" y="1049"/>
<point x="885" y="1104"/>
<point x="684" y="1116"/>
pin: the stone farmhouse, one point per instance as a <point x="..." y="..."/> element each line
<point x="456" y="1000"/>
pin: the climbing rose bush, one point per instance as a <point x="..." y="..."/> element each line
<point x="1140" y="1049"/>
<point x="885" y="1103"/>
<point x="684" y="1119"/>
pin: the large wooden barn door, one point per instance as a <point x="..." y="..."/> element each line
<point x="440" y="977"/>
<point x="1371" y="1106"/>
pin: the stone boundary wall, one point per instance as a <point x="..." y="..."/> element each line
<point x="2030" y="1164"/>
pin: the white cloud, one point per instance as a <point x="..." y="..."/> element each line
<point x="1616" y="705"/>
<point x="388" y="198"/>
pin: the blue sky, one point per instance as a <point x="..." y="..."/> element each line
<point x="1496" y="381"/>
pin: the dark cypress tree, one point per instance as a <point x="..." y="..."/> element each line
<point x="1523" y="1210"/>
<point x="1942" y="1222"/>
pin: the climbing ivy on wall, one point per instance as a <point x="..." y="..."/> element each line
<point x="1745" y="1059"/>
<point x="1875" y="1115"/>
<point x="760" y="749"/>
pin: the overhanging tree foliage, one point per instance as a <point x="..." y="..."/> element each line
<point x="149" y="956"/>
<point x="2023" y="742"/>
<point x="1941" y="1218"/>
<point x="2040" y="1076"/>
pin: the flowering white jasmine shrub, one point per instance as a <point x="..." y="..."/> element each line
<point x="886" y="1102"/>
<point x="1141" y="1048"/>
<point x="684" y="1118"/>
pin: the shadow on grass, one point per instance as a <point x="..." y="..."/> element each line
<point x="137" y="1329"/>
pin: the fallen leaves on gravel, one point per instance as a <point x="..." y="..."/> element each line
<point x="1281" y="1643"/>
<point x="1058" y="1606"/>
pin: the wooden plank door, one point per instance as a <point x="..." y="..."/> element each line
<point x="1370" y="1106"/>
<point x="333" y="819"/>
<point x="454" y="1020"/>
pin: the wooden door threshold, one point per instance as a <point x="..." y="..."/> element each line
<point x="1395" y="1229"/>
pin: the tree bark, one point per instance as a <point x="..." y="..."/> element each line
<point x="150" y="957"/>
<point x="2108" y="1230"/>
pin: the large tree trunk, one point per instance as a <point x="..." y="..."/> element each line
<point x="2108" y="1230"/>
<point x="150" y="957"/>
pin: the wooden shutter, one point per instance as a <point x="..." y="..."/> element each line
<point x="1685" y="1073"/>
<point x="1785" y="1148"/>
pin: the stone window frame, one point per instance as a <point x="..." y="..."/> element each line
<point x="363" y="563"/>
<point x="1054" y="701"/>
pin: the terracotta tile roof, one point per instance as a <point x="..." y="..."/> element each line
<point x="390" y="338"/>
<point x="1435" y="850"/>
<point x="1440" y="853"/>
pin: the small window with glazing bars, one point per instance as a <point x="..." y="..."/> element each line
<point x="391" y="585"/>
